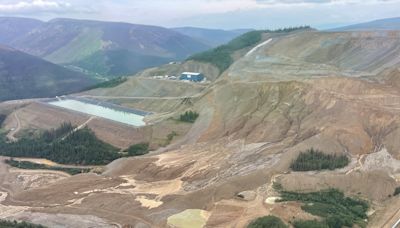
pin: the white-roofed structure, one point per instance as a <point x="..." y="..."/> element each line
<point x="192" y="76"/>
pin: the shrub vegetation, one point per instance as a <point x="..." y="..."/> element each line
<point x="396" y="191"/>
<point x="138" y="149"/>
<point x="171" y="137"/>
<point x="316" y="160"/>
<point x="189" y="116"/>
<point x="15" y="224"/>
<point x="267" y="222"/>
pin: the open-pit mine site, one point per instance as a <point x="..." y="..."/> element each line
<point x="300" y="129"/>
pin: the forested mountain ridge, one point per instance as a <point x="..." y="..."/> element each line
<point x="100" y="48"/>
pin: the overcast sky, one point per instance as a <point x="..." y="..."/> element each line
<point x="228" y="14"/>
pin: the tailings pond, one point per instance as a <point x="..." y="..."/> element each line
<point x="102" y="109"/>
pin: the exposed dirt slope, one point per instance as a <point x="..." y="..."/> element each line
<point x="316" y="54"/>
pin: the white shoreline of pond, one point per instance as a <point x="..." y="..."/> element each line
<point x="101" y="111"/>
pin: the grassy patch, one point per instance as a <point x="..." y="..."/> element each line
<point x="267" y="222"/>
<point x="333" y="206"/>
<point x="189" y="117"/>
<point x="138" y="149"/>
<point x="221" y="56"/>
<point x="31" y="165"/>
<point x="316" y="160"/>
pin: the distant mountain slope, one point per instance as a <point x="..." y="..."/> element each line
<point x="26" y="76"/>
<point x="12" y="27"/>
<point x="105" y="48"/>
<point x="383" y="24"/>
<point x="211" y="37"/>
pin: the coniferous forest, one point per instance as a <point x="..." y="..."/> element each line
<point x="189" y="116"/>
<point x="316" y="160"/>
<point x="62" y="145"/>
<point x="335" y="209"/>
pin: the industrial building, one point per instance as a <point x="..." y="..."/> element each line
<point x="192" y="76"/>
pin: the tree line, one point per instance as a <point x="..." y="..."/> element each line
<point x="316" y="160"/>
<point x="138" y="149"/>
<point x="189" y="116"/>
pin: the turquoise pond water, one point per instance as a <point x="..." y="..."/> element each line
<point x="100" y="111"/>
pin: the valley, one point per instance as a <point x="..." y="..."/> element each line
<point x="278" y="94"/>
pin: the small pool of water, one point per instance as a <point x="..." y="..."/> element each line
<point x="101" y="111"/>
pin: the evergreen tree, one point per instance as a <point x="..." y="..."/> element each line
<point x="79" y="147"/>
<point x="316" y="160"/>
